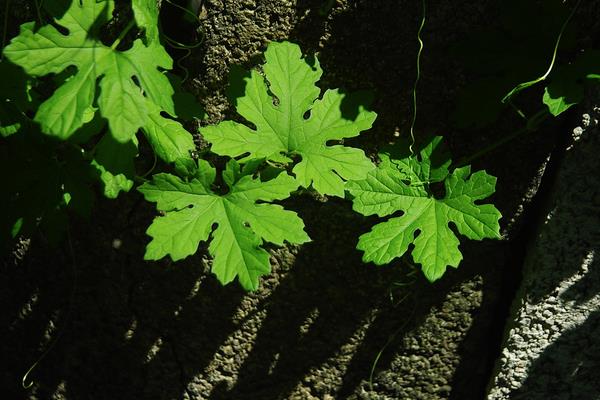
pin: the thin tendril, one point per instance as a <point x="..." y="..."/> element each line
<point x="414" y="93"/>
<point x="181" y="46"/>
<point x="188" y="52"/>
<point x="525" y="85"/>
<point x="38" y="6"/>
<point x="143" y="177"/>
<point x="185" y="9"/>
<point x="25" y="378"/>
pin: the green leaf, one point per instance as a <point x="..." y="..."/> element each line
<point x="566" y="83"/>
<point x="127" y="79"/>
<point x="146" y="16"/>
<point x="278" y="108"/>
<point x="512" y="56"/>
<point x="425" y="219"/>
<point x="559" y="103"/>
<point x="186" y="105"/>
<point x="431" y="164"/>
<point x="192" y="209"/>
<point x="114" y="163"/>
<point x="169" y="140"/>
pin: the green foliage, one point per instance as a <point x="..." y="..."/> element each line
<point x="114" y="162"/>
<point x="133" y="89"/>
<point x="192" y="208"/>
<point x="70" y="114"/>
<point x="42" y="180"/>
<point x="566" y="84"/>
<point x="508" y="56"/>
<point x="121" y="101"/>
<point x="277" y="104"/>
<point x="46" y="176"/>
<point x="405" y="184"/>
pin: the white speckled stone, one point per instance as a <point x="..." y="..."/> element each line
<point x="551" y="350"/>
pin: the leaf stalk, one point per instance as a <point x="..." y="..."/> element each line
<point x="125" y="31"/>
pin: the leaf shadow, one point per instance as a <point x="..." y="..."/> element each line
<point x="125" y="332"/>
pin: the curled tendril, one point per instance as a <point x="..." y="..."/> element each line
<point x="414" y="92"/>
<point x="182" y="46"/>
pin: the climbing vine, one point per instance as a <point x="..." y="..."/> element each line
<point x="76" y="101"/>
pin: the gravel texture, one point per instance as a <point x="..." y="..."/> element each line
<point x="551" y="349"/>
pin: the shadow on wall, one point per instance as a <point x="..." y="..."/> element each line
<point x="562" y="287"/>
<point x="117" y="332"/>
<point x="570" y="364"/>
<point x="568" y="368"/>
<point x="152" y="330"/>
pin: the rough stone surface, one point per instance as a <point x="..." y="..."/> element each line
<point x="121" y="328"/>
<point x="552" y="348"/>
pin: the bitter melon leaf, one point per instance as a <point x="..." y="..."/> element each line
<point x="282" y="129"/>
<point x="430" y="165"/>
<point x="192" y="208"/>
<point x="425" y="219"/>
<point x="119" y="73"/>
<point x="146" y="17"/>
<point x="186" y="104"/>
<point x="506" y="57"/>
<point x="566" y="84"/>
<point x="114" y="164"/>
<point x="169" y="140"/>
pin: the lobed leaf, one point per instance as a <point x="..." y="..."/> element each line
<point x="277" y="105"/>
<point x="126" y="78"/>
<point x="425" y="219"/>
<point x="566" y="84"/>
<point x="192" y="209"/>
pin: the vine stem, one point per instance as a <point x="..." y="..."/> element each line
<point x="130" y="25"/>
<point x="38" y="7"/>
<point x="532" y="125"/>
<point x="414" y="92"/>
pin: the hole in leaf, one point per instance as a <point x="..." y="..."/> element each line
<point x="306" y="115"/>
<point x="166" y="115"/>
<point x="275" y="100"/>
<point x="136" y="81"/>
<point x="60" y="28"/>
